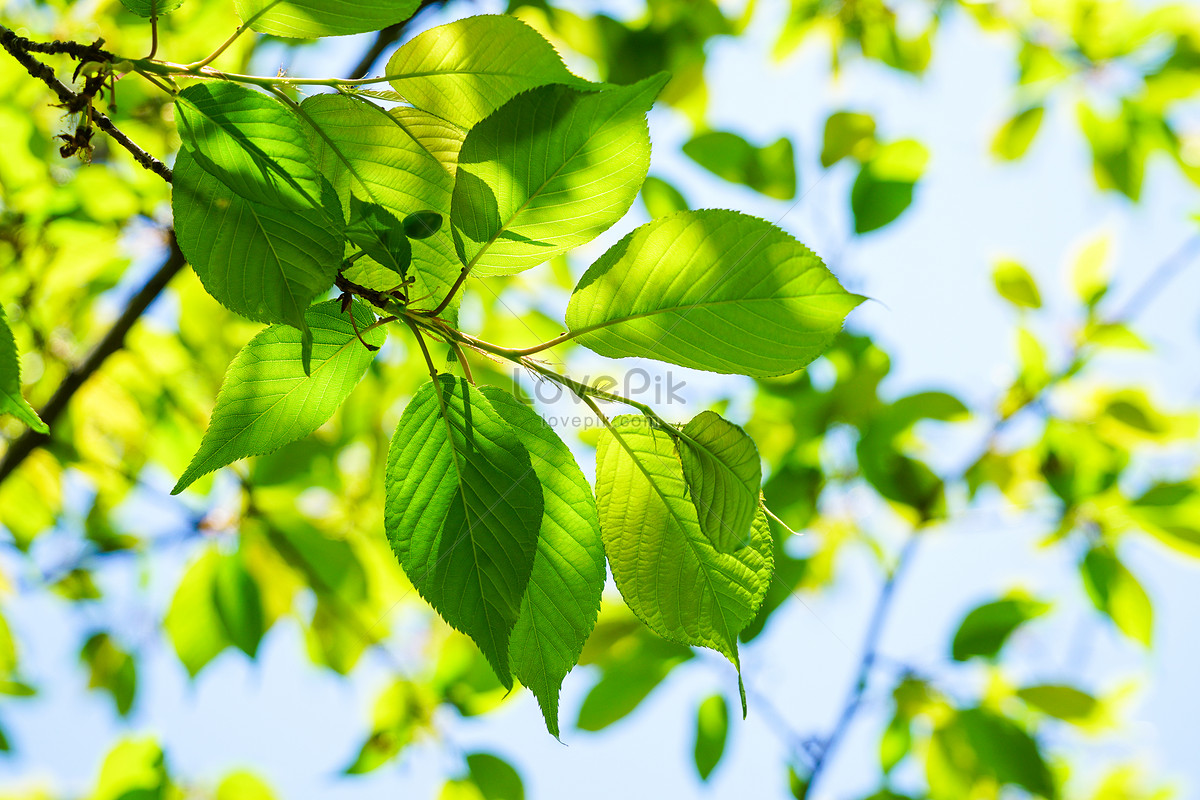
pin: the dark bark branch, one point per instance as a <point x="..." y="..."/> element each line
<point x="113" y="341"/>
<point x="384" y="39"/>
<point x="20" y="49"/>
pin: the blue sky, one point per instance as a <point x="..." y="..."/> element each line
<point x="939" y="319"/>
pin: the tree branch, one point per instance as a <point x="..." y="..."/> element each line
<point x="112" y="341"/>
<point x="21" y="48"/>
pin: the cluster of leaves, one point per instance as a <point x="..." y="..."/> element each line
<point x="275" y="201"/>
<point x="337" y="191"/>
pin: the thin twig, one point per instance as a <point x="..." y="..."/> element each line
<point x="20" y="49"/>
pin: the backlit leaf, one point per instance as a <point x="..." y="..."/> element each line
<point x="263" y="262"/>
<point x="467" y="69"/>
<point x="548" y="171"/>
<point x="724" y="477"/>
<point x="560" y="604"/>
<point x="309" y="19"/>
<point x="464" y="508"/>
<point x="267" y="401"/>
<point x="714" y="290"/>
<point x="666" y="568"/>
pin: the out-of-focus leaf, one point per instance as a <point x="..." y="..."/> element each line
<point x="884" y="187"/>
<point x="847" y="133"/>
<point x="661" y="198"/>
<point x="495" y="777"/>
<point x="978" y="744"/>
<point x="632" y="663"/>
<point x="111" y="669"/>
<point x="132" y="770"/>
<point x="712" y="729"/>
<point x="1064" y="702"/>
<point x="1013" y="138"/>
<point x="985" y="629"/>
<point x="895" y="743"/>
<point x="243" y="785"/>
<point x="400" y="712"/>
<point x="1116" y="592"/>
<point x="192" y="623"/>
<point x="1171" y="513"/>
<point x="1016" y="285"/>
<point x="1090" y="270"/>
<point x="238" y="602"/>
<point x="769" y="170"/>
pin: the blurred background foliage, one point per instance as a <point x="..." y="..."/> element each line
<point x="293" y="540"/>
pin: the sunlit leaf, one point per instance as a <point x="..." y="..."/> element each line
<point x="724" y="477"/>
<point x="309" y="19"/>
<point x="548" y="171"/>
<point x="666" y="568"/>
<point x="714" y="290"/>
<point x="467" y="69"/>
<point x="560" y="604"/>
<point x="268" y="401"/>
<point x="464" y="508"/>
<point x="263" y="262"/>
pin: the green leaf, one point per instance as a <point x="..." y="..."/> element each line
<point x="1064" y="702"/>
<point x="495" y="777"/>
<point x="713" y="290"/>
<point x="311" y="19"/>
<point x="238" y="602"/>
<point x="667" y="570"/>
<point x="132" y="770"/>
<point x="631" y="667"/>
<point x="380" y="235"/>
<point x="191" y="622"/>
<point x="467" y="69"/>
<point x="562" y="600"/>
<point x="112" y="669"/>
<point x="151" y="8"/>
<point x="985" y="629"/>
<point x="11" y="399"/>
<point x="712" y="728"/>
<point x="661" y="198"/>
<point x="249" y="141"/>
<point x="724" y="478"/>
<point x="463" y="512"/>
<point x="365" y="153"/>
<point x="422" y="224"/>
<point x="895" y="743"/>
<point x="269" y="263"/>
<point x="847" y="134"/>
<point x="1006" y="751"/>
<point x="768" y="170"/>
<point x="1171" y="513"/>
<point x="1016" y="285"/>
<point x="548" y="171"/>
<point x="884" y="187"/>
<point x="442" y="140"/>
<point x="242" y="785"/>
<point x="267" y="401"/>
<point x="1014" y="137"/>
<point x="1117" y="593"/>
